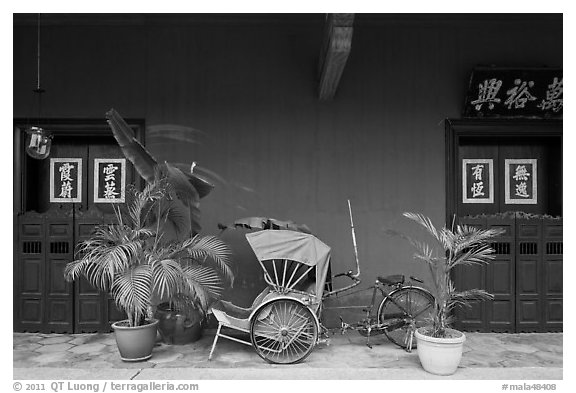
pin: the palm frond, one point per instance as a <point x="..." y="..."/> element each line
<point x="463" y="298"/>
<point x="166" y="277"/>
<point x="203" y="284"/>
<point x="132" y="292"/>
<point x="110" y="250"/>
<point x="469" y="237"/>
<point x="480" y="255"/>
<point x="424" y="222"/>
<point x="212" y="251"/>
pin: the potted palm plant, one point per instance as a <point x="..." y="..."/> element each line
<point x="440" y="346"/>
<point x="138" y="262"/>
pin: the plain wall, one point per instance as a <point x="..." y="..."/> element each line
<point x="247" y="90"/>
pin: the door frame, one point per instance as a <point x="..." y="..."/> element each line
<point x="456" y="129"/>
<point x="81" y="127"/>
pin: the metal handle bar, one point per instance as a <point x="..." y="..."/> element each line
<point x="349" y="273"/>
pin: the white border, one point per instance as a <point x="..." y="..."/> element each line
<point x="530" y="201"/>
<point x="490" y="162"/>
<point x="122" y="162"/>
<point x="54" y="199"/>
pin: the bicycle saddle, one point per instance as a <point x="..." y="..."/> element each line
<point x="392" y="280"/>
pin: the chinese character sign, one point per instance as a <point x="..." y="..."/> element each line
<point x="109" y="180"/>
<point x="477" y="180"/>
<point x="502" y="92"/>
<point x="65" y="180"/>
<point x="521" y="182"/>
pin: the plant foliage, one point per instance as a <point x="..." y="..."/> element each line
<point x="136" y="261"/>
<point x="457" y="246"/>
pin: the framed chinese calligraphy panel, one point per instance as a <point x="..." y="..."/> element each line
<point x="65" y="180"/>
<point x="509" y="92"/>
<point x="521" y="181"/>
<point x="477" y="180"/>
<point x="109" y="180"/>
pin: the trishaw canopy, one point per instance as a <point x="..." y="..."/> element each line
<point x="295" y="246"/>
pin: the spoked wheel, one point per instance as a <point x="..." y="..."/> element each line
<point x="405" y="310"/>
<point x="283" y="331"/>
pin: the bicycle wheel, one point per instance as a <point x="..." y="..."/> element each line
<point x="405" y="310"/>
<point x="283" y="331"/>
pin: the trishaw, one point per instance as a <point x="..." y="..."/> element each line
<point x="283" y="322"/>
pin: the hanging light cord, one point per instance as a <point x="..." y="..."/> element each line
<point x="38" y="89"/>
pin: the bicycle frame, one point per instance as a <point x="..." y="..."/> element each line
<point x="370" y="325"/>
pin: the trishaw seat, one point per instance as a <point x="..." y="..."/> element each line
<point x="237" y="311"/>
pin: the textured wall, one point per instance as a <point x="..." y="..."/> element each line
<point x="249" y="91"/>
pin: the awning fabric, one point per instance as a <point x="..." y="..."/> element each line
<point x="295" y="246"/>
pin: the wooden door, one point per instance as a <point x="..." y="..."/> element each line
<point x="47" y="234"/>
<point x="526" y="274"/>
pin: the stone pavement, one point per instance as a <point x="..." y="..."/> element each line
<point x="532" y="356"/>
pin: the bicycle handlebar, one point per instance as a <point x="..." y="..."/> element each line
<point x="349" y="274"/>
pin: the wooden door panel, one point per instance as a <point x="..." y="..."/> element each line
<point x="529" y="315"/>
<point x="58" y="292"/>
<point x="500" y="316"/>
<point x="31" y="275"/>
<point x="30" y="272"/>
<point x="554" y="315"/>
<point x="553" y="278"/>
<point x="56" y="282"/>
<point x="89" y="313"/>
<point x="32" y="314"/>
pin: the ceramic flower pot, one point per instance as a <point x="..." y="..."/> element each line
<point x="135" y="343"/>
<point x="177" y="328"/>
<point x="440" y="356"/>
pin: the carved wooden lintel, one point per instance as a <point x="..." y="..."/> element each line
<point x="336" y="47"/>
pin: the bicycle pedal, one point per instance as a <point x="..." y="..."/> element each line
<point x="324" y="341"/>
<point x="369" y="345"/>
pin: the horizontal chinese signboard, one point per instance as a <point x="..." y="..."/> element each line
<point x="521" y="182"/>
<point x="477" y="180"/>
<point x="65" y="180"/>
<point x="505" y="92"/>
<point x="109" y="180"/>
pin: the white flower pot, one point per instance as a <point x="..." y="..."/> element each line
<point x="440" y="356"/>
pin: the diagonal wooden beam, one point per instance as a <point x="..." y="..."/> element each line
<point x="336" y="47"/>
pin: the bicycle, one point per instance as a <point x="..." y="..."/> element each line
<point x="402" y="310"/>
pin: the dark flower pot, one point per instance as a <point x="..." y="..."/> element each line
<point x="135" y="343"/>
<point x="175" y="327"/>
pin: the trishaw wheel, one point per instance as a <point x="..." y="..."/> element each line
<point x="283" y="331"/>
<point x="405" y="311"/>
